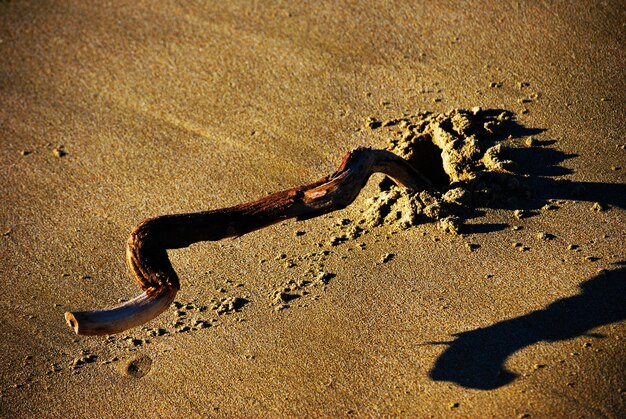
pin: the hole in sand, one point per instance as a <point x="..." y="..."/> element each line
<point x="427" y="157"/>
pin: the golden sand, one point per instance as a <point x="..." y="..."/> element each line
<point x="114" y="112"/>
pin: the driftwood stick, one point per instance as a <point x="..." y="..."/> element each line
<point x="146" y="252"/>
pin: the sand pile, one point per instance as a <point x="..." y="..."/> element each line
<point x="465" y="155"/>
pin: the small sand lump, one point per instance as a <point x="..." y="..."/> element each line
<point x="59" y="151"/>
<point x="545" y="236"/>
<point x="598" y="207"/>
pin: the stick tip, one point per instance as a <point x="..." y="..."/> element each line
<point x="71" y="321"/>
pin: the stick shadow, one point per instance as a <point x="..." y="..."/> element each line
<point x="475" y="359"/>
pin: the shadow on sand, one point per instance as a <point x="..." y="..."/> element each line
<point x="475" y="359"/>
<point x="542" y="167"/>
<point x="540" y="170"/>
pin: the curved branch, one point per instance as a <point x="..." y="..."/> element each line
<point x="146" y="252"/>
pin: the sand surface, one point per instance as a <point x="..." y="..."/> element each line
<point x="111" y="112"/>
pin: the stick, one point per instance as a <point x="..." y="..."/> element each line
<point x="146" y="252"/>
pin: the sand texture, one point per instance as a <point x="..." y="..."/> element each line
<point x="498" y="292"/>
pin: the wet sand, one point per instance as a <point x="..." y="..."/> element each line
<point x="113" y="113"/>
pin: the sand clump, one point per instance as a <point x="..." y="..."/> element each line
<point x="463" y="153"/>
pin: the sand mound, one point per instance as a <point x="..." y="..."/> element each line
<point x="465" y="156"/>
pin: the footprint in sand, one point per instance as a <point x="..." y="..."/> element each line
<point x="138" y="367"/>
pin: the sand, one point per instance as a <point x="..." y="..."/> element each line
<point x="509" y="303"/>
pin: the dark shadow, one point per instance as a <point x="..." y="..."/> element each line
<point x="427" y="156"/>
<point x="538" y="179"/>
<point x="541" y="166"/>
<point x="608" y="194"/>
<point x="475" y="359"/>
<point x="541" y="161"/>
<point x="484" y="228"/>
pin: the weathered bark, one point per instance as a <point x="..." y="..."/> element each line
<point x="146" y="252"/>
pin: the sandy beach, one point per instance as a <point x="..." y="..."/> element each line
<point x="508" y="303"/>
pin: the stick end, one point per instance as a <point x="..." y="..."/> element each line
<point x="71" y="321"/>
